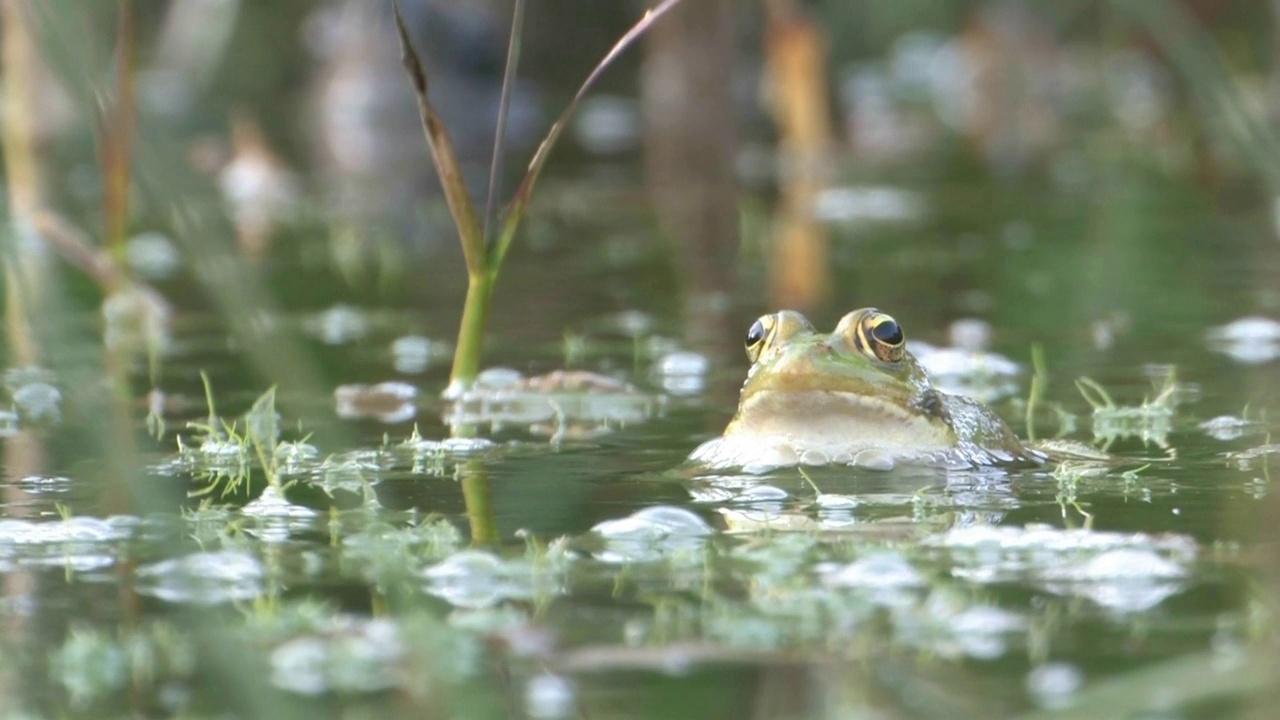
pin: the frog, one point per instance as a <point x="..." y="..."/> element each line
<point x="855" y="396"/>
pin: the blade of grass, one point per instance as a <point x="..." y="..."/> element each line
<point x="444" y="156"/>
<point x="520" y="201"/>
<point x="504" y="109"/>
<point x="483" y="260"/>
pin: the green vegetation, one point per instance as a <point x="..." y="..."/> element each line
<point x="191" y="525"/>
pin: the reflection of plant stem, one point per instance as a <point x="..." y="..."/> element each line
<point x="476" y="492"/>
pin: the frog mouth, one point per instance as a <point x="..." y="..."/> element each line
<point x="837" y="417"/>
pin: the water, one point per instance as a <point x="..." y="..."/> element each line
<point x="614" y="579"/>
<point x="312" y="549"/>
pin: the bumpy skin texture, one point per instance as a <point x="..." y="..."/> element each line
<point x="854" y="396"/>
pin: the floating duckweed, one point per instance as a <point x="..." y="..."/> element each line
<point x="650" y="534"/>
<point x="465" y="445"/>
<point x="1047" y="539"/>
<point x="92" y="665"/>
<point x="295" y="457"/>
<point x="17" y="378"/>
<point x="346" y="654"/>
<point x="38" y="402"/>
<point x="1245" y="459"/>
<point x="1226" y="427"/>
<point x="8" y="423"/>
<point x="220" y="451"/>
<point x="478" y="579"/>
<point x="1119" y="572"/>
<point x="654" y="523"/>
<point x="136" y="318"/>
<point x="984" y="376"/>
<point x="152" y="255"/>
<point x="833" y="501"/>
<point x="758" y="519"/>
<point x="1052" y="685"/>
<point x="767" y="495"/>
<point x="75" y="529"/>
<point x="339" y="325"/>
<point x="387" y="402"/>
<point x="950" y="625"/>
<point x="353" y="471"/>
<point x="682" y="372"/>
<point x="431" y="457"/>
<point x="1250" y="340"/>
<point x="80" y="544"/>
<point x="277" y="518"/>
<point x="272" y="504"/>
<point x="853" y="205"/>
<point x="1152" y="421"/>
<point x="413" y="354"/>
<point x="489" y="620"/>
<point x="1123" y="580"/>
<point x="497" y="378"/>
<point x="384" y="547"/>
<point x="881" y="570"/>
<point x="548" y="696"/>
<point x="46" y="484"/>
<point x="206" y="578"/>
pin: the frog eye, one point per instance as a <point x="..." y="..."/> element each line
<point x="881" y="336"/>
<point x="758" y="336"/>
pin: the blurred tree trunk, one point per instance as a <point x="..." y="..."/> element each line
<point x="689" y="156"/>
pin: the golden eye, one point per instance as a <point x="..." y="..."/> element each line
<point x="880" y="336"/>
<point x="758" y="336"/>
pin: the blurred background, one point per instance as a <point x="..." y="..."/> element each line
<point x="752" y="155"/>
<point x="209" y="198"/>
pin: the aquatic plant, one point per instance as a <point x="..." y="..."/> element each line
<point x="484" y="249"/>
<point x="1152" y="421"/>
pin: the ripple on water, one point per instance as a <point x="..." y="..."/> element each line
<point x="205" y="578"/>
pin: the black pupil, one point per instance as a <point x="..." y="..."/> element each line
<point x="887" y="332"/>
<point x="755" y="334"/>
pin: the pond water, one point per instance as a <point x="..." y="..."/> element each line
<point x="284" y="518"/>
<point x="618" y="588"/>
